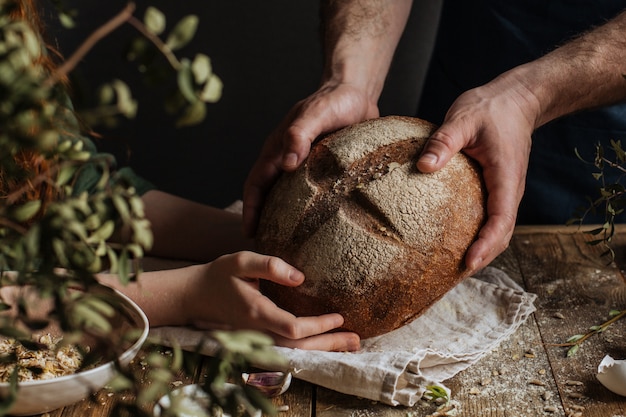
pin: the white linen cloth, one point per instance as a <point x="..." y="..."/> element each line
<point x="395" y="368"/>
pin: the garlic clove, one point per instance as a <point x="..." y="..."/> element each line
<point x="612" y="374"/>
<point x="271" y="384"/>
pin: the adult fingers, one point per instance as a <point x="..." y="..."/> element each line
<point x="330" y="108"/>
<point x="446" y="141"/>
<point x="285" y="149"/>
<point x="493" y="239"/>
<point x="258" y="182"/>
<point x="309" y="121"/>
<point x="505" y="185"/>
<point x="503" y="156"/>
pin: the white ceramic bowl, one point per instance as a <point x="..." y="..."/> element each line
<point x="40" y="396"/>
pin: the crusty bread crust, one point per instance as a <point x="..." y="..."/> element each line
<point x="378" y="241"/>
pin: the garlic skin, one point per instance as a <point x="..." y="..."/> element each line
<point x="271" y="384"/>
<point x="612" y="374"/>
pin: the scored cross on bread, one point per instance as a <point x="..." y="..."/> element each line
<point x="378" y="241"/>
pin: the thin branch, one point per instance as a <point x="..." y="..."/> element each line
<point x="45" y="177"/>
<point x="165" y="50"/>
<point x="100" y="33"/>
<point x="614" y="164"/>
<point x="5" y="222"/>
<point x="587" y="335"/>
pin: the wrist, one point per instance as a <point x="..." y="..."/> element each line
<point x="365" y="77"/>
<point x="360" y="38"/>
<point x="524" y="88"/>
<point x="190" y="302"/>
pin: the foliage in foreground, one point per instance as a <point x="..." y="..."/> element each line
<point x="56" y="241"/>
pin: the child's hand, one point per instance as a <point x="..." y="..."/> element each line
<point x="225" y="294"/>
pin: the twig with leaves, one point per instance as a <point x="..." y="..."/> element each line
<point x="238" y="352"/>
<point x="102" y="32"/>
<point x="58" y="244"/>
<point x="612" y="199"/>
<point x="197" y="83"/>
<point x="574" y="342"/>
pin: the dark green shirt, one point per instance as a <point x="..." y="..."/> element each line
<point x="91" y="173"/>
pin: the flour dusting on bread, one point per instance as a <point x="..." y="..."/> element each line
<point x="377" y="240"/>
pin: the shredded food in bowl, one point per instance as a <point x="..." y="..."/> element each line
<point x="50" y="362"/>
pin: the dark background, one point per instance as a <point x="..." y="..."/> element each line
<point x="267" y="54"/>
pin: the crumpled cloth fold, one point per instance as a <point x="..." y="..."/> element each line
<point x="396" y="368"/>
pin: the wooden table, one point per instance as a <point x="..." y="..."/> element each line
<point x="525" y="376"/>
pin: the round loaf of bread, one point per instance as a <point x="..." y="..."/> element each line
<point x="378" y="241"/>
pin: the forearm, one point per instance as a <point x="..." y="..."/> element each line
<point x="360" y="37"/>
<point x="184" y="229"/>
<point x="160" y="294"/>
<point x="582" y="74"/>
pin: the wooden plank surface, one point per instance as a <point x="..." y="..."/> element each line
<point x="575" y="283"/>
<point x="505" y="382"/>
<point x="526" y="376"/>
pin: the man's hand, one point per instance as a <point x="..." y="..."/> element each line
<point x="493" y="125"/>
<point x="332" y="107"/>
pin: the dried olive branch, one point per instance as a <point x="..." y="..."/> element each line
<point x="613" y="164"/>
<point x="196" y="82"/>
<point x="165" y="50"/>
<point x="574" y="342"/>
<point x="60" y="249"/>
<point x="612" y="195"/>
<point x="44" y="177"/>
<point x="124" y="16"/>
<point x="88" y="44"/>
<point x="5" y="222"/>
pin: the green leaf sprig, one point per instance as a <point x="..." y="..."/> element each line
<point x="574" y="342"/>
<point x="54" y="247"/>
